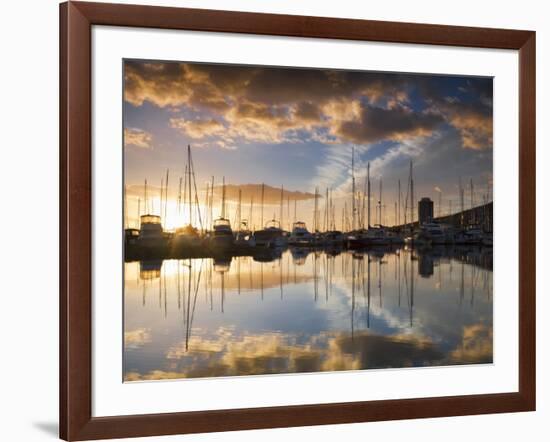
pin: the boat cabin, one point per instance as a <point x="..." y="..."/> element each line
<point x="222" y="226"/>
<point x="273" y="225"/>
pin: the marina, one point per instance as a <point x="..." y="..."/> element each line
<point x="206" y="236"/>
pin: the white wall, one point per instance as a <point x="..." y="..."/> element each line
<point x="28" y="183"/>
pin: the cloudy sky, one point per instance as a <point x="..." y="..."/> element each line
<point x="296" y="128"/>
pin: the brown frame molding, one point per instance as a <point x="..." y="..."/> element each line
<point x="76" y="421"/>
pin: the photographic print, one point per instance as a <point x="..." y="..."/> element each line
<point x="296" y="220"/>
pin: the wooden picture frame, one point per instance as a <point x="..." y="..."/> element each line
<point x="76" y="21"/>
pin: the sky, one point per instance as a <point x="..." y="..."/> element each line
<point x="297" y="128"/>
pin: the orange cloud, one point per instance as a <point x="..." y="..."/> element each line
<point x="137" y="338"/>
<point x="475" y="129"/>
<point x="476" y="346"/>
<point x="137" y="138"/>
<point x="198" y="128"/>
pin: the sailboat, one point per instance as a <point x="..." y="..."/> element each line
<point x="187" y="238"/>
<point x="372" y="235"/>
<point x="299" y="234"/>
<point x="130" y="234"/>
<point x="222" y="235"/>
<point x="244" y="236"/>
<point x="272" y="235"/>
<point x="332" y="238"/>
<point x="151" y="233"/>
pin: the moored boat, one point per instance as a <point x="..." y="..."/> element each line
<point x="334" y="238"/>
<point x="244" y="236"/>
<point x="473" y="235"/>
<point x="221" y="235"/>
<point x="300" y="235"/>
<point x="151" y="234"/>
<point x="435" y="233"/>
<point x="271" y="235"/>
<point x="186" y="238"/>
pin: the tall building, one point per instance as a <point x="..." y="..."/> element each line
<point x="425" y="210"/>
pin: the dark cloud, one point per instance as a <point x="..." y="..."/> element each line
<point x="377" y="124"/>
<point x="376" y="351"/>
<point x="308" y="111"/>
<point x="470" y="112"/>
<point x="219" y="86"/>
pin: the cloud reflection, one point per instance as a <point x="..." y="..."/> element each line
<point x="230" y="355"/>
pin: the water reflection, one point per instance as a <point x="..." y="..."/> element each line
<point x="303" y="310"/>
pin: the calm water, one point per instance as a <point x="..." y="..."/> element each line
<point x="303" y="311"/>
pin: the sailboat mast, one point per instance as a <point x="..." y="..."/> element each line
<point x="281" y="209"/>
<point x="190" y="200"/>
<point x="346" y="221"/>
<point x="250" y="212"/>
<point x="239" y="209"/>
<point x="125" y="208"/>
<point x="380" y="204"/>
<point x="179" y="197"/>
<point x="211" y="202"/>
<point x="471" y="194"/>
<point x="206" y="199"/>
<point x="262" y="207"/>
<point x="398" y="202"/>
<point x="368" y="195"/>
<point x="138" y="212"/>
<point x="353" y="188"/>
<point x="325" y="221"/>
<point x="315" y="227"/>
<point x="145" y="197"/>
<point x="223" y="197"/>
<point x="184" y="193"/>
<point x="288" y="211"/>
<point x="166" y="196"/>
<point x="472" y="214"/>
<point x="363" y="203"/>
<point x="461" y="193"/>
<point x="192" y="171"/>
<point x="412" y="193"/>
<point x="161" y="198"/>
<point x="332" y="226"/>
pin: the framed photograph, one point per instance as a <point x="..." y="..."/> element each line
<point x="272" y="221"/>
